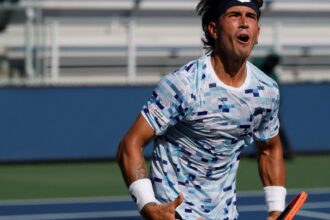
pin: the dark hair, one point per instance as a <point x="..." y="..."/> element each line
<point x="207" y="9"/>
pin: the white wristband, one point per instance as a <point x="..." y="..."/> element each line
<point x="142" y="192"/>
<point x="275" y="198"/>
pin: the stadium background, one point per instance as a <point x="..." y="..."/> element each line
<point x="74" y="75"/>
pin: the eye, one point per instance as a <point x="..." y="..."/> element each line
<point x="251" y="15"/>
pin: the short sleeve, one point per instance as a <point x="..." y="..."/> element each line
<point x="269" y="125"/>
<point x="168" y="104"/>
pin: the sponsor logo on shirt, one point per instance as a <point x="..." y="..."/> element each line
<point x="163" y="120"/>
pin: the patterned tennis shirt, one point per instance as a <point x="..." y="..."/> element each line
<point x="201" y="126"/>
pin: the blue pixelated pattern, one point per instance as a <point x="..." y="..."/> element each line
<point x="201" y="126"/>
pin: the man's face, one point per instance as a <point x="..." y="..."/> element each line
<point x="236" y="32"/>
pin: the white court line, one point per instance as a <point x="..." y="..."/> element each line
<point x="134" y="213"/>
<point x="315" y="215"/>
<point x="131" y="213"/>
<point x="311" y="191"/>
<point x="127" y="198"/>
<point x="80" y="215"/>
<point x="253" y="208"/>
<point x="317" y="205"/>
<point x="65" y="200"/>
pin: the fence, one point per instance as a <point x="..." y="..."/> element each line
<point x="62" y="42"/>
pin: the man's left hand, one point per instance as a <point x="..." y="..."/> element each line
<point x="273" y="215"/>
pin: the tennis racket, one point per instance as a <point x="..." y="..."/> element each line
<point x="292" y="209"/>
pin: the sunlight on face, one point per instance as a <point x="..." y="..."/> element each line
<point x="236" y="32"/>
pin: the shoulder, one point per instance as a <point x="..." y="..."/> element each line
<point x="185" y="72"/>
<point x="183" y="78"/>
<point x="262" y="79"/>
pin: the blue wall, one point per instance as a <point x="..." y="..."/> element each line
<point x="52" y="123"/>
<point x="306" y="116"/>
<point x="66" y="123"/>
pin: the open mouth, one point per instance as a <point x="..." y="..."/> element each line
<point x="243" y="38"/>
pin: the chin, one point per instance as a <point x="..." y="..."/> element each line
<point x="246" y="53"/>
<point x="242" y="55"/>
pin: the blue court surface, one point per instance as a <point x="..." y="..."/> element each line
<point x="250" y="205"/>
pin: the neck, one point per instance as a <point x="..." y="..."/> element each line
<point x="231" y="72"/>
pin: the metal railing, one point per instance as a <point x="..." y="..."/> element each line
<point x="120" y="44"/>
<point x="31" y="44"/>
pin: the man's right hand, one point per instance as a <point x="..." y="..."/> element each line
<point x="153" y="211"/>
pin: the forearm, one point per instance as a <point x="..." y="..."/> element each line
<point x="134" y="169"/>
<point x="131" y="161"/>
<point x="272" y="175"/>
<point x="130" y="151"/>
<point x="271" y="165"/>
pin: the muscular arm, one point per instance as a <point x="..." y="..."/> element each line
<point x="271" y="165"/>
<point x="133" y="167"/>
<point x="130" y="152"/>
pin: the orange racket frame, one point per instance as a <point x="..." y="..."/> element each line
<point x="292" y="209"/>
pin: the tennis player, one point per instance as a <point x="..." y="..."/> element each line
<point x="201" y="117"/>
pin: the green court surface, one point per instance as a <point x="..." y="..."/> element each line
<point x="98" y="179"/>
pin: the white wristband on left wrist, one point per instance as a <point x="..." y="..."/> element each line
<point x="275" y="198"/>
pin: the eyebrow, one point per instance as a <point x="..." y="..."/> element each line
<point x="240" y="12"/>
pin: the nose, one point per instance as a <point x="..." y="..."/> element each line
<point x="244" y="22"/>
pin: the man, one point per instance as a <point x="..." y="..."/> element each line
<point x="201" y="117"/>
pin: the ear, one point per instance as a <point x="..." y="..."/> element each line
<point x="258" y="34"/>
<point x="212" y="28"/>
